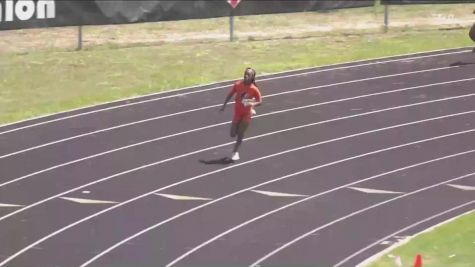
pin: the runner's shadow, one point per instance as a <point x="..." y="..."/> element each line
<point x="220" y="161"/>
<point x="460" y="63"/>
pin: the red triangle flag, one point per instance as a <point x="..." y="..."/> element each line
<point x="234" y="3"/>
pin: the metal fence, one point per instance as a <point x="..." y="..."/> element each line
<point x="373" y="19"/>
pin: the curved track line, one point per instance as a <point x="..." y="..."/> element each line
<point x="402" y="230"/>
<point x="267" y="74"/>
<point x="251" y="138"/>
<point x="251" y="188"/>
<point x="275" y="251"/>
<point x="214" y="106"/>
<point x="214" y="88"/>
<point x="230" y="167"/>
<point x="220" y="124"/>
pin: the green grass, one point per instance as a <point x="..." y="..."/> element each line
<point x="439" y="246"/>
<point x="38" y="75"/>
<point x="45" y="82"/>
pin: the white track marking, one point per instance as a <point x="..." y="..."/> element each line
<point x="277" y="194"/>
<point x="101" y="131"/>
<point x="213" y="106"/>
<point x="374" y="191"/>
<point x="256" y="186"/>
<point x="373" y="62"/>
<point x="180" y="197"/>
<point x="210" y="173"/>
<point x="463" y="187"/>
<point x="279" y="209"/>
<point x="250" y="188"/>
<point x="88" y="201"/>
<point x="218" y="171"/>
<point x="275" y="251"/>
<point x="401" y="231"/>
<point x="262" y="115"/>
<point x="251" y="138"/>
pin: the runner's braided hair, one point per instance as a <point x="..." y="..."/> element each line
<point x="253" y="75"/>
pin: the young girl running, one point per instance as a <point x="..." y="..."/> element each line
<point x="246" y="96"/>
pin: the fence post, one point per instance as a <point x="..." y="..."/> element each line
<point x="231" y="26"/>
<point x="386" y="18"/>
<point x="79" y="47"/>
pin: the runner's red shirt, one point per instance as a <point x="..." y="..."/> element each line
<point x="243" y="91"/>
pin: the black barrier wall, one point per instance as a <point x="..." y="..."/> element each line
<point x="20" y="14"/>
<point x="420" y="2"/>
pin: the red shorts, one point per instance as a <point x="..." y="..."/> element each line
<point x="242" y="116"/>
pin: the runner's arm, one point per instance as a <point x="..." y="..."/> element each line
<point x="258" y="98"/>
<point x="228" y="97"/>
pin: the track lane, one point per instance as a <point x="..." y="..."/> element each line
<point x="28" y="137"/>
<point x="364" y="145"/>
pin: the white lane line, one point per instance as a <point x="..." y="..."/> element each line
<point x="374" y="62"/>
<point x="277" y="194"/>
<point x="88" y="201"/>
<point x="401" y="237"/>
<point x="281" y="208"/>
<point x="374" y="191"/>
<point x="462" y="187"/>
<point x="102" y="130"/>
<point x="256" y="137"/>
<point x="251" y="138"/>
<point x="215" y="106"/>
<point x="401" y="231"/>
<point x="262" y="115"/>
<point x="213" y="172"/>
<point x="181" y="197"/>
<point x="275" y="251"/>
<point x="2" y="205"/>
